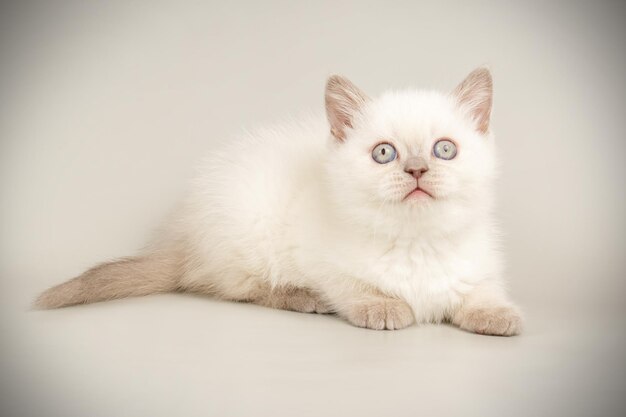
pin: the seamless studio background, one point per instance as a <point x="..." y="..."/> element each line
<point x="106" y="107"/>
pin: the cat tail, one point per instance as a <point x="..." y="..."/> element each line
<point x="126" y="277"/>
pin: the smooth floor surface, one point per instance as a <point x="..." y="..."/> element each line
<point x="186" y="355"/>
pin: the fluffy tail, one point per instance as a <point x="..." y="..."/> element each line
<point x="127" y="277"/>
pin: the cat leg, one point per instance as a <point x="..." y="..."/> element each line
<point x="486" y="310"/>
<point x="282" y="297"/>
<point x="237" y="285"/>
<point x="364" y="306"/>
<point x="289" y="297"/>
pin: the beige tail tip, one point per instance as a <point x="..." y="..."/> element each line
<point x="48" y="300"/>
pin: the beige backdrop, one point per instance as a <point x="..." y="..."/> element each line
<point x="106" y="108"/>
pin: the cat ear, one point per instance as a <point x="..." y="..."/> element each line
<point x="475" y="96"/>
<point x="344" y="101"/>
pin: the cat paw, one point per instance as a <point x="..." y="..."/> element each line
<point x="390" y="314"/>
<point x="299" y="299"/>
<point x="308" y="304"/>
<point x="495" y="321"/>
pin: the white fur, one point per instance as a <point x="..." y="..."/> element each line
<point x="290" y="204"/>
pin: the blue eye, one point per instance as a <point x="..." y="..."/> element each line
<point x="444" y="149"/>
<point x="384" y="153"/>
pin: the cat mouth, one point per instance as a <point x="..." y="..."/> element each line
<point x="418" y="193"/>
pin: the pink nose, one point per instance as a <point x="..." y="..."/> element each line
<point x="416" y="166"/>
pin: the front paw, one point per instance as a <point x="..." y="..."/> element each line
<point x="494" y="320"/>
<point x="380" y="314"/>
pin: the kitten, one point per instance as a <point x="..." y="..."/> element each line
<point x="386" y="221"/>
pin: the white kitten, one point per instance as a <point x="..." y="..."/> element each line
<point x="386" y="221"/>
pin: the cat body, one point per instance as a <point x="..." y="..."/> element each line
<point x="293" y="217"/>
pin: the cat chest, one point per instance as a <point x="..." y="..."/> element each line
<point x="428" y="277"/>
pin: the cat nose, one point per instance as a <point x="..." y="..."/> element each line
<point x="416" y="166"/>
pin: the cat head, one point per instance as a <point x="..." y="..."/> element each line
<point x="411" y="161"/>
